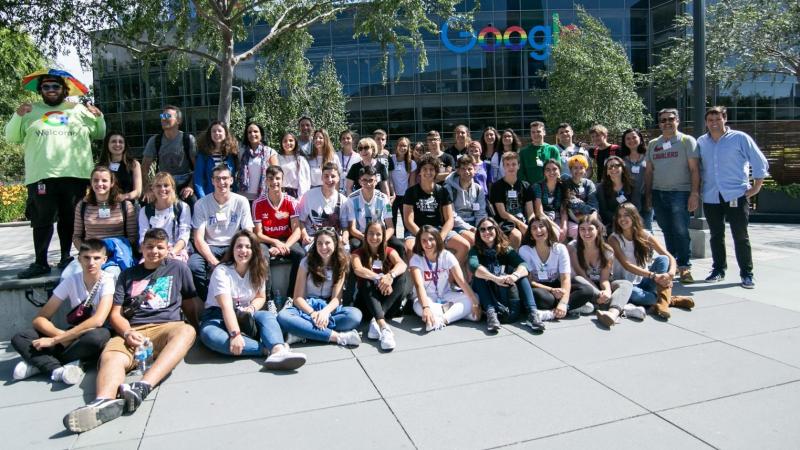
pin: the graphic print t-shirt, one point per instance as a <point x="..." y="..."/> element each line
<point x="163" y="291"/>
<point x="436" y="277"/>
<point x="427" y="207"/>
<point x="513" y="197"/>
<point x="275" y="220"/>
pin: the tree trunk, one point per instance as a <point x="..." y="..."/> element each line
<point x="226" y="80"/>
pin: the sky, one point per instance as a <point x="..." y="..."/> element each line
<point x="69" y="62"/>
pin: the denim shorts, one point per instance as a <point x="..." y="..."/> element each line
<point x="450" y="235"/>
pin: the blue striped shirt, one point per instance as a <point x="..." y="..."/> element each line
<point x="725" y="165"/>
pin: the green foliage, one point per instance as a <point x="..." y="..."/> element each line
<point x="20" y="57"/>
<point x="215" y="32"/>
<point x="590" y="80"/>
<point x="12" y="162"/>
<point x="329" y="108"/>
<point x="792" y="190"/>
<point x="744" y="39"/>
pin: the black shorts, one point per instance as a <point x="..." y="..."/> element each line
<point x="58" y="201"/>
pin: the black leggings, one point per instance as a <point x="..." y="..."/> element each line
<point x="397" y="206"/>
<point x="86" y="348"/>
<point x="579" y="294"/>
<point x="377" y="303"/>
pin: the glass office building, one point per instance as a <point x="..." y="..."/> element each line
<point x="476" y="87"/>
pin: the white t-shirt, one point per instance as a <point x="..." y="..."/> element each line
<point x="315" y="211"/>
<point x="324" y="291"/>
<point x="346" y="162"/>
<point x="225" y="280"/>
<point x="435" y="275"/>
<point x="547" y="271"/>
<point x="221" y="222"/>
<point x="363" y="212"/>
<point x="165" y="219"/>
<point x="73" y="289"/>
<point x="296" y="173"/>
<point x="618" y="270"/>
<point x="400" y="175"/>
<point x="315" y="165"/>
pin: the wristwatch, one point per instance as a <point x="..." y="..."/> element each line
<point x="233" y="334"/>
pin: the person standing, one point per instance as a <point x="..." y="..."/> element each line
<point x="533" y="156"/>
<point x="306" y="127"/>
<point x="672" y="187"/>
<point x="56" y="136"/>
<point x="727" y="155"/>
<point x="174" y="152"/>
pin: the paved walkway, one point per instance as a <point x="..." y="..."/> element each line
<point x="726" y="375"/>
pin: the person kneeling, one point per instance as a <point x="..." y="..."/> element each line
<point x="233" y="323"/>
<point x="147" y="306"/>
<point x="316" y="312"/>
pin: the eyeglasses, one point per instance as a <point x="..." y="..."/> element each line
<point x="165" y="116"/>
<point x="51" y="87"/>
<point x="667" y="119"/>
<point x="486" y="229"/>
<point x="218" y="178"/>
<point x="368" y="180"/>
<point x="361" y="148"/>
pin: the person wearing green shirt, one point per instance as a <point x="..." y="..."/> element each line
<point x="533" y="156"/>
<point x="56" y="136"/>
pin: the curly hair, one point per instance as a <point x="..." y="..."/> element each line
<point x="229" y="146"/>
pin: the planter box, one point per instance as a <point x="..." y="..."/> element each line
<point x="777" y="202"/>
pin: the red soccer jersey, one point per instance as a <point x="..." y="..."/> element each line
<point x="275" y="221"/>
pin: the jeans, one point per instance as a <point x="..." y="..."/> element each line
<point x="200" y="269"/>
<point x="215" y="336"/>
<point x="738" y="218"/>
<point x="620" y="291"/>
<point x="673" y="218"/>
<point x="343" y="318"/>
<point x="87" y="347"/>
<point x="647" y="219"/>
<point x="644" y="293"/>
<point x="490" y="294"/>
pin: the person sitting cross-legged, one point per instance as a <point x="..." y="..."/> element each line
<point x="147" y="306"/>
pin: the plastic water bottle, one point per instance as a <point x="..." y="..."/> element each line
<point x="149" y="347"/>
<point x="140" y="355"/>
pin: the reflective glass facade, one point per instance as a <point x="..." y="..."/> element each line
<point x="476" y="88"/>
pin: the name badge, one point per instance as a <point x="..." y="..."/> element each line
<point x="512" y="194"/>
<point x="621" y="198"/>
<point x="317" y="170"/>
<point x="581" y="190"/>
<point x="221" y="217"/>
<point x="114" y="166"/>
<point x="41" y="188"/>
<point x="104" y="213"/>
<point x="542" y="275"/>
<point x="666" y="145"/>
<point x="476" y="207"/>
<point x="550" y="199"/>
<point x="734" y="203"/>
<point x="636" y="169"/>
<point x="539" y="162"/>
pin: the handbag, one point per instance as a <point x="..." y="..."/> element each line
<point x="247" y="323"/>
<point x="84" y="310"/>
<point x="129" y="306"/>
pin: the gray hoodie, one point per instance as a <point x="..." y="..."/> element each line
<point x="466" y="216"/>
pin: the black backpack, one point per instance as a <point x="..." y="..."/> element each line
<point x="177" y="210"/>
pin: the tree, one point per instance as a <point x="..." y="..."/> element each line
<point x="214" y="32"/>
<point x="744" y="39"/>
<point x="590" y="80"/>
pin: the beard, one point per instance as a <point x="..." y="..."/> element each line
<point x="57" y="101"/>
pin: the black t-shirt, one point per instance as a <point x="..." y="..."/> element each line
<point x="162" y="290"/>
<point x="455" y="153"/>
<point x="513" y="197"/>
<point x="355" y="171"/>
<point x="447" y="161"/>
<point x="428" y="207"/>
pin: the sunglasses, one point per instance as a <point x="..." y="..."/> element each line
<point x="46" y="87"/>
<point x="614" y="166"/>
<point x="667" y="119"/>
<point x="165" y="116"/>
<point x="485" y="229"/>
<point x="364" y="147"/>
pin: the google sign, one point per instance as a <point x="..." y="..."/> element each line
<point x="514" y="38"/>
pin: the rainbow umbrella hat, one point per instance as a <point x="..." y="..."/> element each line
<point x="31" y="81"/>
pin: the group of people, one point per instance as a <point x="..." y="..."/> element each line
<point x="489" y="228"/>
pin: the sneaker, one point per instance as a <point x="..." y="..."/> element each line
<point x="387" y="339"/>
<point x="716" y="276"/>
<point x="438" y="321"/>
<point x="70" y="373"/>
<point x="535" y="321"/>
<point x="686" y="276"/>
<point x="606" y="319"/>
<point x="492" y="322"/>
<point x="64" y="262"/>
<point x="349" y="339"/>
<point x="287" y="304"/>
<point x="24" y="370"/>
<point x="632" y="311"/>
<point x="584" y="310"/>
<point x="134" y="394"/>
<point x="33" y="271"/>
<point x="292" y="339"/>
<point x="748" y="283"/>
<point x="545" y="315"/>
<point x="93" y="415"/>
<point x="284" y="359"/>
<point x="374" y="331"/>
<point x="271" y="307"/>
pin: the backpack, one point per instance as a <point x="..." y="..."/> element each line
<point x="187" y="143"/>
<point x="177" y="210"/>
<point x="120" y="252"/>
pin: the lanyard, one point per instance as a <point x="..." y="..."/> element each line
<point x="345" y="164"/>
<point x="434" y="269"/>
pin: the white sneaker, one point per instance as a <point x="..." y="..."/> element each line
<point x="271" y="307"/>
<point x="438" y="321"/>
<point x="287" y="304"/>
<point x="72" y="373"/>
<point x="632" y="311"/>
<point x="350" y="338"/>
<point x="24" y="370"/>
<point x="546" y="315"/>
<point x="284" y="359"/>
<point x="292" y="339"/>
<point x="374" y="331"/>
<point x="387" y="339"/>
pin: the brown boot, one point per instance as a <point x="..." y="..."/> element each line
<point x="661" y="308"/>
<point x="681" y="301"/>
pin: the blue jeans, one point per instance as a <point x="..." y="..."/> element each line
<point x="644" y="293"/>
<point x="673" y="218"/>
<point x="215" y="336"/>
<point x="490" y="294"/>
<point x="647" y="219"/>
<point x="343" y="318"/>
<point x="199" y="267"/>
